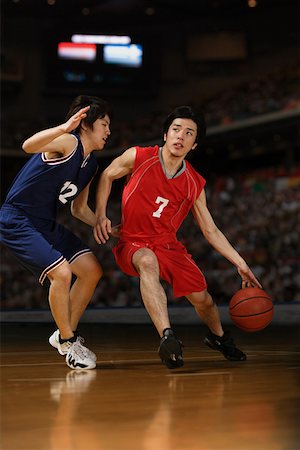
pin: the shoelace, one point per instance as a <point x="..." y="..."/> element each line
<point x="79" y="349"/>
<point x="88" y="351"/>
<point x="80" y="339"/>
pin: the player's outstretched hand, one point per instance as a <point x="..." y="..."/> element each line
<point x="75" y="120"/>
<point x="248" y="277"/>
<point x="102" y="229"/>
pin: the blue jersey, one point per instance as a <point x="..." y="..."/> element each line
<point x="43" y="184"/>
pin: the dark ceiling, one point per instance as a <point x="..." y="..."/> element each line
<point x="133" y="10"/>
<point x="271" y="20"/>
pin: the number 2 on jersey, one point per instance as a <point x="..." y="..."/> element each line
<point x="68" y="190"/>
<point x="163" y="203"/>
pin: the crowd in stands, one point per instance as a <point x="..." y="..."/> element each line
<point x="278" y="91"/>
<point x="259" y="212"/>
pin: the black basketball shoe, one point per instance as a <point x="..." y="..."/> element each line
<point x="225" y="345"/>
<point x="170" y="350"/>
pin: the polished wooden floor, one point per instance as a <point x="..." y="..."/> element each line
<point x="133" y="402"/>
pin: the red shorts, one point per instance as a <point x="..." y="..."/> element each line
<point x="177" y="266"/>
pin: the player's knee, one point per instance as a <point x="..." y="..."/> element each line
<point x="146" y="262"/>
<point x="88" y="269"/>
<point x="62" y="275"/>
<point x="94" y="272"/>
<point x="201" y="299"/>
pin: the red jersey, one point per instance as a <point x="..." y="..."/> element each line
<point x="153" y="204"/>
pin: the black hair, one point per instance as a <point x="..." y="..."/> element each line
<point x="186" y="112"/>
<point x="98" y="109"/>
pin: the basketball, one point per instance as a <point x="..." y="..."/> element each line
<point x="251" y="309"/>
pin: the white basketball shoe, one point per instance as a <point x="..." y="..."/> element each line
<point x="78" y="356"/>
<point x="64" y="348"/>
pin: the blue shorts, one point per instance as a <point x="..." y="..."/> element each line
<point x="40" y="245"/>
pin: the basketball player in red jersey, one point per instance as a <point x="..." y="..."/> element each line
<point x="161" y="190"/>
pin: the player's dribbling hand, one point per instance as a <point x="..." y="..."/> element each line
<point x="75" y="120"/>
<point x="102" y="229"/>
<point x="248" y="277"/>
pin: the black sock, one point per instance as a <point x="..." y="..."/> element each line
<point x="72" y="339"/>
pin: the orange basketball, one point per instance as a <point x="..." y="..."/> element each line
<point x="251" y="309"/>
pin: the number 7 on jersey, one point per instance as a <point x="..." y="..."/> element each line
<point x="163" y="203"/>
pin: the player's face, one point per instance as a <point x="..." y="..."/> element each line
<point x="181" y="136"/>
<point x="100" y="132"/>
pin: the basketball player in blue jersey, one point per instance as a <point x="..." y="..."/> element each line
<point x="59" y="172"/>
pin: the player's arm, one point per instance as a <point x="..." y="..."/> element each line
<point x="218" y="240"/>
<point x="118" y="168"/>
<point x="56" y="139"/>
<point x="80" y="208"/>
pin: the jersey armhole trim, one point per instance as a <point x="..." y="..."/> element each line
<point x="63" y="159"/>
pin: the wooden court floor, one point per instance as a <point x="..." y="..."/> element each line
<point x="133" y="402"/>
